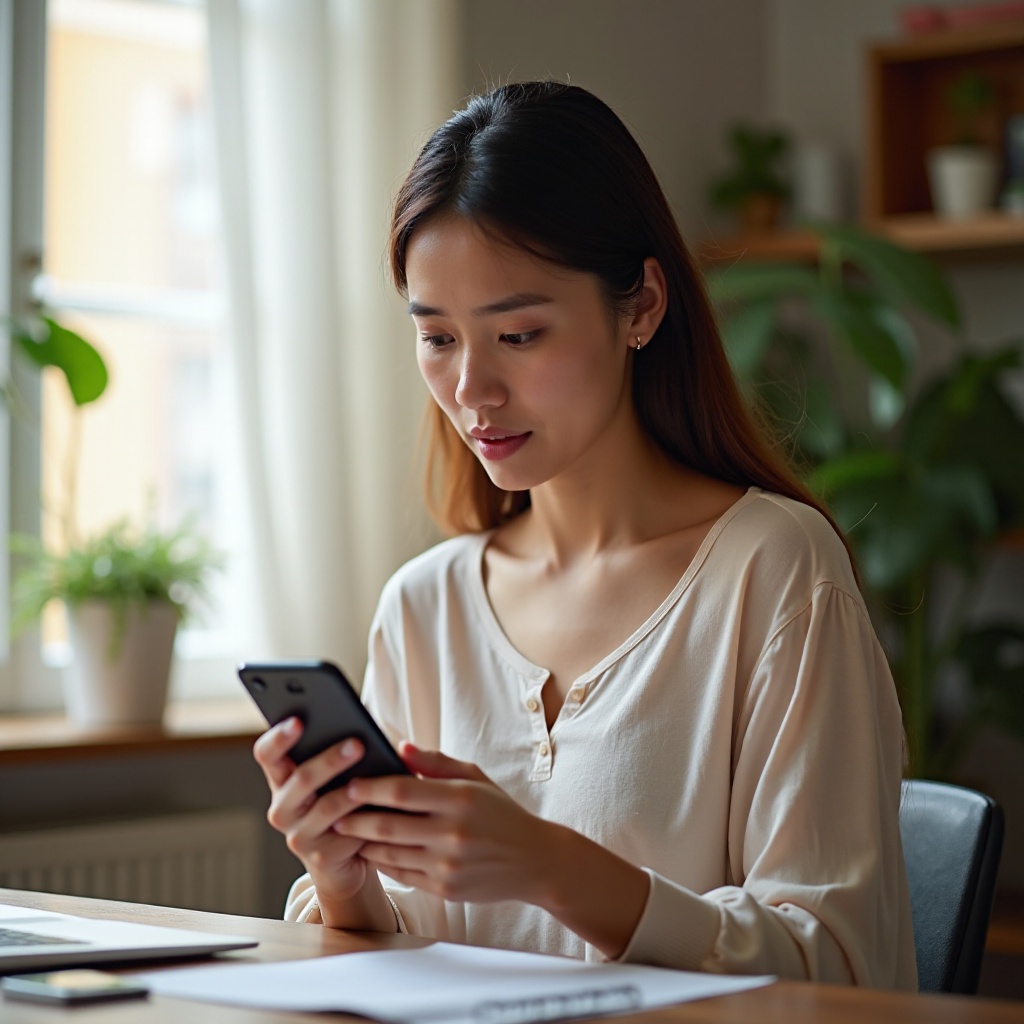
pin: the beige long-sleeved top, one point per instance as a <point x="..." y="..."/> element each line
<point x="744" y="746"/>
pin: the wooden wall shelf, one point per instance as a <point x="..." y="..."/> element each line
<point x="924" y="232"/>
<point x="781" y="246"/>
<point x="993" y="235"/>
<point x="909" y="112"/>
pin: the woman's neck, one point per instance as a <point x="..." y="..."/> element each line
<point x="626" y="492"/>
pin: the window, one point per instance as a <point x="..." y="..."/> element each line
<point x="131" y="259"/>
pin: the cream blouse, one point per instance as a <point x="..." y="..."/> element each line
<point x="744" y="746"/>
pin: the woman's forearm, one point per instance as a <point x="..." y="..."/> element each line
<point x="592" y="891"/>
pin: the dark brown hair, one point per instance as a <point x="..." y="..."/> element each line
<point x="551" y="169"/>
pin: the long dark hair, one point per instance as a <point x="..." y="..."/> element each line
<point x="551" y="169"/>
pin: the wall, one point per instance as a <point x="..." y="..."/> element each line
<point x="676" y="72"/>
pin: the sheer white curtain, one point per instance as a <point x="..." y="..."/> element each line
<point x="319" y="108"/>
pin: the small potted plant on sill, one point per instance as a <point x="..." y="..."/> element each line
<point x="125" y="590"/>
<point x="963" y="176"/>
<point x="757" y="186"/>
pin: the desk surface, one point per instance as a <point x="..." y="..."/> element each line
<point x="786" y="1002"/>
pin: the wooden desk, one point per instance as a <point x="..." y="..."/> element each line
<point x="786" y="1002"/>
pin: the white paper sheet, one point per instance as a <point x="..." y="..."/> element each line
<point x="446" y="982"/>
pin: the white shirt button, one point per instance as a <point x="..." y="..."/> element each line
<point x="532" y="704"/>
<point x="576" y="695"/>
<point x="544" y="750"/>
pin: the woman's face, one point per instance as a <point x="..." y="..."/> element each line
<point x="523" y="357"/>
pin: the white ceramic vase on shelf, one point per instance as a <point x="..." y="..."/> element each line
<point x="119" y="671"/>
<point x="963" y="180"/>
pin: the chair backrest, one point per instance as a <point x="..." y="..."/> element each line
<point x="952" y="839"/>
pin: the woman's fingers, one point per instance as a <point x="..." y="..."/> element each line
<point x="432" y="764"/>
<point x="298" y="794"/>
<point x="416" y="795"/>
<point x="271" y="750"/>
<point x="310" y="828"/>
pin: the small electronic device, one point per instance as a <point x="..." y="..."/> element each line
<point x="319" y="695"/>
<point x="71" y="986"/>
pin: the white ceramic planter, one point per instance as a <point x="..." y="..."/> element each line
<point x="963" y="180"/>
<point x="131" y="688"/>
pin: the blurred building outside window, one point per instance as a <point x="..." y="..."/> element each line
<point x="132" y="260"/>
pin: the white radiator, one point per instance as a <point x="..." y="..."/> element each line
<point x="207" y="860"/>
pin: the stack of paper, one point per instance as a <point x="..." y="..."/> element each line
<point x="446" y="982"/>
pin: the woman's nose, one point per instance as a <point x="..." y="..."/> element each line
<point x="479" y="383"/>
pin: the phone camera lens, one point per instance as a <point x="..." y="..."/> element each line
<point x="294" y="686"/>
<point x="257" y="684"/>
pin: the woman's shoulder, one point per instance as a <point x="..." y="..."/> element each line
<point x="447" y="565"/>
<point x="785" y="540"/>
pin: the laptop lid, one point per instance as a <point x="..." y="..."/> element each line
<point x="35" y="939"/>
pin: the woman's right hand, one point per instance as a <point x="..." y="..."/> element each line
<point x="307" y="820"/>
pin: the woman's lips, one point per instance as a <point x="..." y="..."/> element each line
<point x="495" y="448"/>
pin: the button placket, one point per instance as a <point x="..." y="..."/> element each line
<point x="542" y="761"/>
<point x="532" y="703"/>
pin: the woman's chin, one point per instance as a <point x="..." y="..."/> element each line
<point x="509" y="478"/>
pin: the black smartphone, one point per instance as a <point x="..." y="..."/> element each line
<point x="71" y="987"/>
<point x="322" y="698"/>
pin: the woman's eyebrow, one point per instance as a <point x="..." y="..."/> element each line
<point x="518" y="301"/>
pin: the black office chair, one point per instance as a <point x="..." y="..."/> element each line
<point x="952" y="839"/>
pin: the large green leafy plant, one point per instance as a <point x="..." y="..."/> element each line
<point x="123" y="566"/>
<point x="924" y="471"/>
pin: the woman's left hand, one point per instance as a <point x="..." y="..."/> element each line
<point x="464" y="839"/>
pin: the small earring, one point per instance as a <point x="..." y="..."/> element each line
<point x="639" y="343"/>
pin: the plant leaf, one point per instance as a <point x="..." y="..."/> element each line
<point x="994" y="657"/>
<point x="964" y="419"/>
<point x="885" y="403"/>
<point x="746" y="335"/>
<point x="963" y="496"/>
<point x="905" y="277"/>
<point x="852" y="318"/>
<point x="121" y="565"/>
<point x="899" y="522"/>
<point x="744" y="282"/>
<point x="822" y="433"/>
<point x="872" y="466"/>
<point x="54" y="345"/>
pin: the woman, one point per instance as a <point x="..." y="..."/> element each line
<point x="669" y="734"/>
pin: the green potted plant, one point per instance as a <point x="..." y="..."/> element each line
<point x="918" y="479"/>
<point x="125" y="590"/>
<point x="757" y="186"/>
<point x="963" y="175"/>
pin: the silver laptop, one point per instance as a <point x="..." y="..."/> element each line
<point x="35" y="939"/>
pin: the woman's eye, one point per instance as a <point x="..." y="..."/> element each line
<point x="520" y="339"/>
<point x="436" y="340"/>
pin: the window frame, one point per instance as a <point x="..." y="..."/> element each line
<point x="25" y="681"/>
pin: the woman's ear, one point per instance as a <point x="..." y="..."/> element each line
<point x="650" y="309"/>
